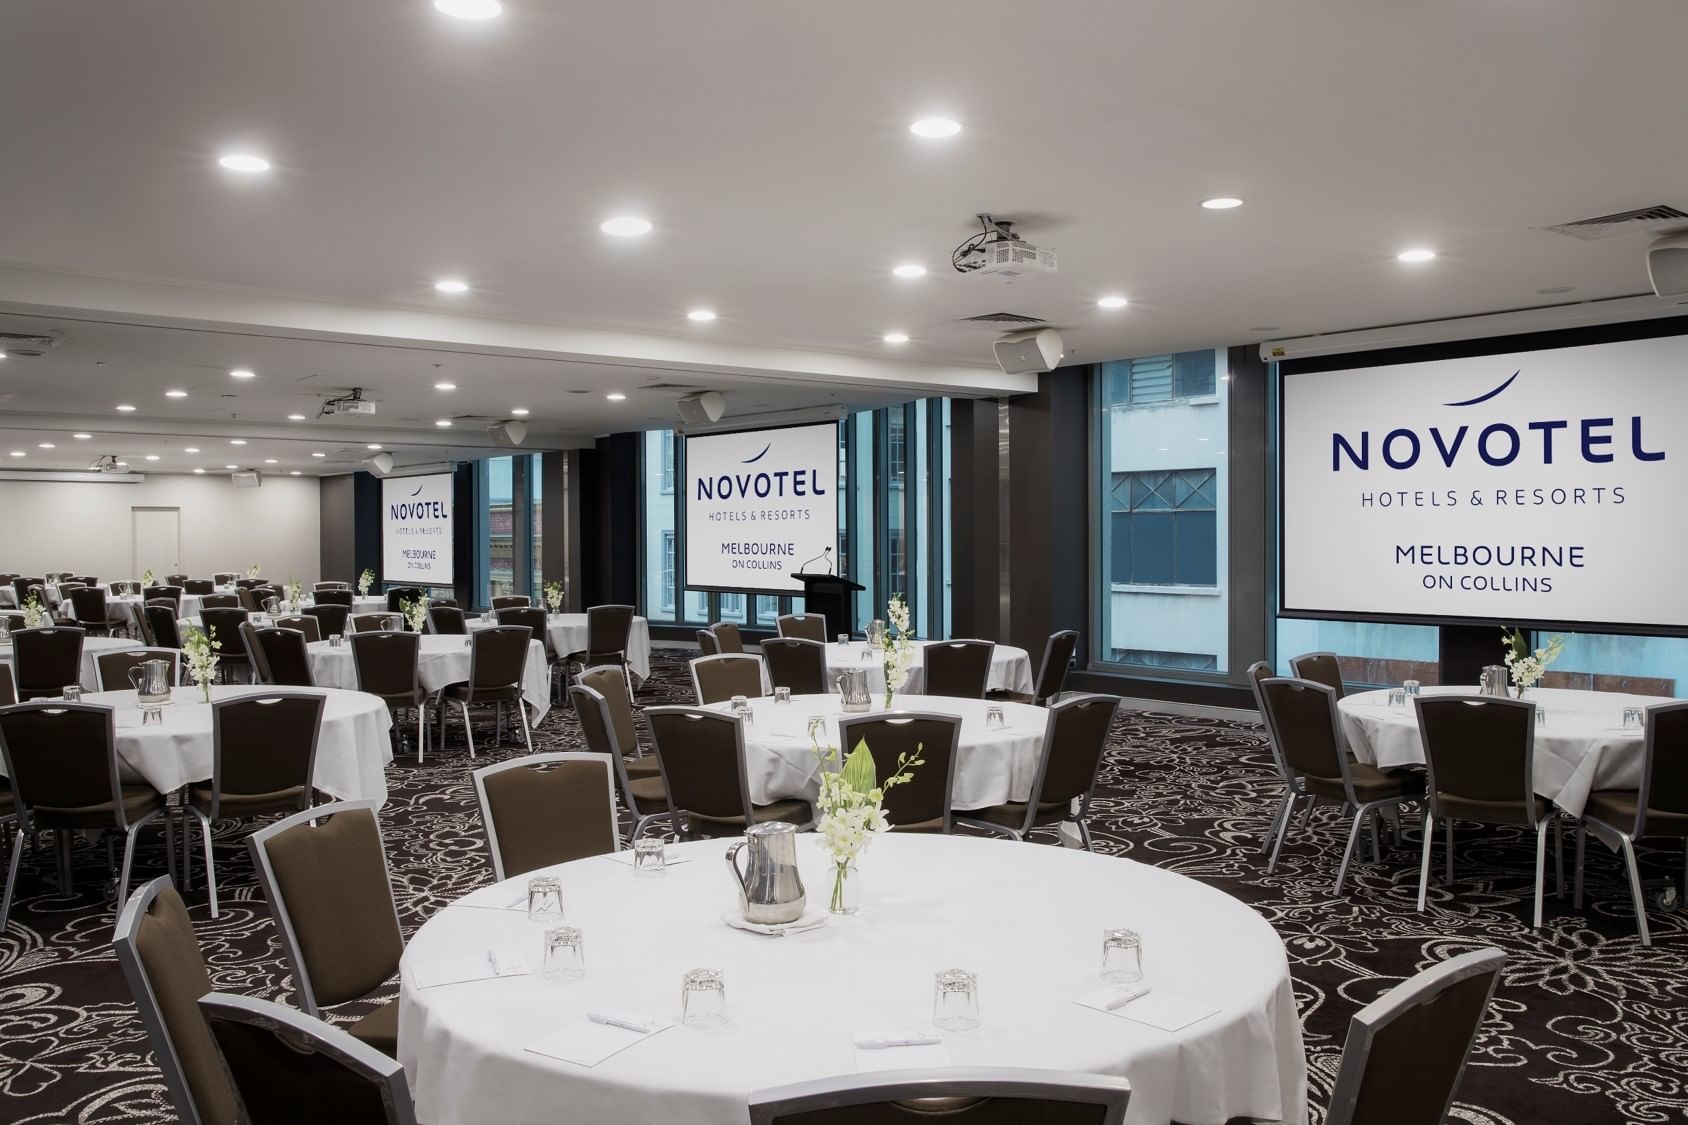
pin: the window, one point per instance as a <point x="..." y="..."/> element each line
<point x="667" y="598"/>
<point x="1159" y="378"/>
<point x="536" y="525"/>
<point x="732" y="607"/>
<point x="500" y="570"/>
<point x="666" y="486"/>
<point x="1164" y="528"/>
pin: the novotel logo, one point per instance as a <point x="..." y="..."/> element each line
<point x="1497" y="444"/>
<point x="763" y="484"/>
<point x="417" y="509"/>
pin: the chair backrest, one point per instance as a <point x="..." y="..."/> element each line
<point x="89" y="604"/>
<point x="376" y="622"/>
<point x="248" y="599"/>
<point x="1320" y="667"/>
<point x="46" y="659"/>
<point x="607" y="630"/>
<point x="20" y="588"/>
<point x="250" y="583"/>
<point x="1406" y="1051"/>
<point x="1664" y="769"/>
<point x="88" y="579"/>
<point x="160" y="593"/>
<point x="13" y="621"/>
<point x="797" y="663"/>
<point x="331" y="618"/>
<point x="957" y="668"/>
<point x="224" y="577"/>
<point x="598" y="729"/>
<point x="287" y="659"/>
<point x="124" y="589"/>
<point x="8" y="690"/>
<point x="727" y="636"/>
<point x="264" y="745"/>
<point x="965" y="1096"/>
<point x="304" y="623"/>
<point x="112" y="668"/>
<point x="220" y="601"/>
<point x="325" y="876"/>
<point x="224" y="625"/>
<point x="69" y="586"/>
<point x="320" y="586"/>
<point x="62" y="756"/>
<point x="498" y="656"/>
<point x="544" y="809"/>
<point x="707" y="643"/>
<point x="338" y="596"/>
<point x="387" y="664"/>
<point x="198" y="586"/>
<point x="610" y="681"/>
<point x="288" y="1067"/>
<point x="716" y="679"/>
<point x="701" y="754"/>
<point x="254" y="650"/>
<point x="166" y="972"/>
<point x="398" y="595"/>
<point x="1302" y="716"/>
<point x="1074" y="738"/>
<point x="1479" y="748"/>
<point x="923" y="801"/>
<point x="511" y="601"/>
<point x="804" y="626"/>
<point x="175" y="579"/>
<point x="1057" y="658"/>
<point x="529" y="618"/>
<point x="161" y="623"/>
<point x="447" y="621"/>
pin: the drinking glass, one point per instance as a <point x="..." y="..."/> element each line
<point x="335" y="640"/>
<point x="545" y="899"/>
<point x="782" y="695"/>
<point x="703" y="998"/>
<point x="649" y="856"/>
<point x="1410" y="686"/>
<point x="72" y="693"/>
<point x="994" y="719"/>
<point x="565" y="953"/>
<point x="1397" y="698"/>
<point x="1122" y="956"/>
<point x="955" y="1000"/>
<point x="843" y="639"/>
<point x="1632" y="717"/>
<point x="1541" y="716"/>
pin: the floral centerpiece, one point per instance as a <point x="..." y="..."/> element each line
<point x="1527" y="667"/>
<point x="554" y="596"/>
<point x="365" y="581"/>
<point x="34" y="614"/>
<point x="415" y="613"/>
<point x="146" y="579"/>
<point x="851" y="806"/>
<point x="254" y="571"/>
<point x="897" y="642"/>
<point x="295" y="592"/>
<point x="199" y="651"/>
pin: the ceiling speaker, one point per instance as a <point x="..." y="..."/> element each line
<point x="1667" y="265"/>
<point x="702" y="408"/>
<point x="508" y="434"/>
<point x="1024" y="353"/>
<point x="381" y="464"/>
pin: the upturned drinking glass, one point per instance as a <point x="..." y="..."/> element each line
<point x="565" y="953"/>
<point x="1122" y="956"/>
<point x="1632" y="717"/>
<point x="703" y="998"/>
<point x="545" y="899"/>
<point x="72" y="693"/>
<point x="955" y="1000"/>
<point x="994" y="719"/>
<point x="1410" y="686"/>
<point x="782" y="695"/>
<point x="649" y="856"/>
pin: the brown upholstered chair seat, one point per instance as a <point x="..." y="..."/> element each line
<point x="379" y="1029"/>
<point x="236" y="806"/>
<point x="138" y="801"/>
<point x="640" y="768"/>
<point x="1490" y="812"/>
<point x="1618" y="807"/>
<point x="648" y="791"/>
<point x="793" y="810"/>
<point x="1370" y="783"/>
<point x="1013" y="813"/>
<point x="460" y="690"/>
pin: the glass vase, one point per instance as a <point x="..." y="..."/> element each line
<point x="846" y="888"/>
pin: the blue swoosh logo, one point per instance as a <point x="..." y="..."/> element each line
<point x="418" y="491"/>
<point x="1487" y="397"/>
<point x="759" y="456"/>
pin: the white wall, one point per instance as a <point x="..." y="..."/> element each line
<point x="86" y="527"/>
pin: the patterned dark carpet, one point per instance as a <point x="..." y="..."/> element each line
<point x="1588" y="1028"/>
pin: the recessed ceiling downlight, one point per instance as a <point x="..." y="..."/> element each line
<point x="909" y="270"/>
<point x="443" y="423"/>
<point x="1415" y="255"/>
<point x="244" y="162"/>
<point x="1113" y="302"/>
<point x="702" y="316"/>
<point x="626" y="226"/>
<point x="152" y="457"/>
<point x="242" y="373"/>
<point x="1222" y="203"/>
<point x="199" y="472"/>
<point x="616" y="396"/>
<point x="469" y="9"/>
<point x="191" y="449"/>
<point x="520" y="412"/>
<point x="319" y="455"/>
<point x="295" y="417"/>
<point x="46" y="445"/>
<point x="935" y="127"/>
<point x="896" y="337"/>
<point x="81" y="437"/>
<point x="451" y="285"/>
<point x="125" y="408"/>
<point x="175" y="394"/>
<point x="445" y="386"/>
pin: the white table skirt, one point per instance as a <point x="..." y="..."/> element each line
<point x="1027" y="918"/>
<point x="91" y="648"/>
<point x="1011" y="668"/>
<point x="442" y="660"/>
<point x="568" y="634"/>
<point x="352" y="750"/>
<point x="993" y="767"/>
<point x="1581" y="745"/>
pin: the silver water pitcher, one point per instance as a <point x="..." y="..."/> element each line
<point x="1493" y="680"/>
<point x="876" y="633"/>
<point x="151" y="681"/>
<point x="853" y="695"/>
<point x="770" y="889"/>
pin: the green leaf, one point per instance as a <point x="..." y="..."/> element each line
<point x="859" y="772"/>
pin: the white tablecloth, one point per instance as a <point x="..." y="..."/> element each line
<point x="1026" y="918"/>
<point x="568" y="634"/>
<point x="352" y="751"/>
<point x="1011" y="668"/>
<point x="441" y="661"/>
<point x="91" y="648"/>
<point x="120" y="610"/>
<point x="374" y="603"/>
<point x="995" y="766"/>
<point x="1581" y="744"/>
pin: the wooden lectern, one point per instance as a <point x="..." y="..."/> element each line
<point x="829" y="595"/>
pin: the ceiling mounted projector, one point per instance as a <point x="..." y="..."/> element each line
<point x="1026" y="353"/>
<point x="510" y="434"/>
<point x="702" y="408"/>
<point x="1667" y="265"/>
<point x="381" y="464"/>
<point x="997" y="251"/>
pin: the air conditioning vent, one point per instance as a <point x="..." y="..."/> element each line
<point x="1656" y="219"/>
<point x="1003" y="318"/>
<point x="29" y="343"/>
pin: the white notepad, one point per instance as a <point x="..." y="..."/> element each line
<point x="585" y="1043"/>
<point x="496" y="897"/>
<point x="669" y="857"/>
<point x="1157" y="1009"/>
<point x="466" y="967"/>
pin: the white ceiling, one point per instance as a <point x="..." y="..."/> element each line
<point x="769" y="145"/>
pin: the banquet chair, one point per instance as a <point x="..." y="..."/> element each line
<point x="255" y="655"/>
<point x="304" y="623"/>
<point x="707" y="643"/>
<point x="124" y="589"/>
<point x="376" y="622"/>
<point x="111" y="669"/>
<point x="533" y="620"/>
<point x="220" y="601"/>
<point x="716" y="679"/>
<point x="922" y="804"/>
<point x="13" y="621"/>
<point x="1075" y="735"/>
<point x="1657" y="807"/>
<point x="89" y="606"/>
<point x="398" y="595"/>
<point x="172" y="594"/>
<point x="1321" y="668"/>
<point x="446" y="603"/>
<point x="1303" y="721"/>
<point x="166" y="973"/>
<point x="176" y="580"/>
<point x="196" y="585"/>
<point x="796" y="663"/>
<point x="546" y="809"/>
<point x="644" y="794"/>
<point x="803" y="626"/>
<point x="263" y="759"/>
<point x="610" y="681"/>
<point x="224" y="625"/>
<point x="956" y="1096"/>
<point x="224" y="577"/>
<point x="248" y="599"/>
<point x="340" y="596"/>
<point x="511" y="601"/>
<point x="62" y="762"/>
<point x="961" y="669"/>
<point x="46" y="659"/>
<point x="607" y="630"/>
<point x="87" y="579"/>
<point x="388" y="666"/>
<point x="1051" y="673"/>
<point x="21" y="586"/>
<point x="249" y="583"/>
<point x="703" y="765"/>
<point x="287" y="660"/>
<point x="287" y="1067"/>
<point x="161" y="625"/>
<point x="321" y="586"/>
<point x="324" y="874"/>
<point x="331" y="619"/>
<point x="497" y="662"/>
<point x="727" y="636"/>
<point x="8" y="696"/>
<point x="447" y="621"/>
<point x="1406" y="1051"/>
<point x="1258" y="673"/>
<point x="1480" y="754"/>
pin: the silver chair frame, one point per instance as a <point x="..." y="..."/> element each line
<point x="422" y="728"/>
<point x="774" y="1105"/>
<point x="463" y="704"/>
<point x="528" y="763"/>
<point x="1043" y="666"/>
<point x="847" y="739"/>
<point x="1079" y="816"/>
<point x="596" y="699"/>
<point x="126" y="943"/>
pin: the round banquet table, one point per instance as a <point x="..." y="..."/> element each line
<point x="994" y="766"/>
<point x="1026" y="918"/>
<point x="371" y="603"/>
<point x="441" y="660"/>
<point x="1581" y="742"/>
<point x="352" y="748"/>
<point x="567" y="632"/>
<point x="1011" y="668"/>
<point x="91" y="648"/>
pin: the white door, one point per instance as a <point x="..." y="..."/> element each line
<point x="157" y="539"/>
